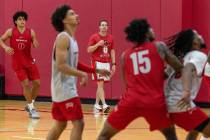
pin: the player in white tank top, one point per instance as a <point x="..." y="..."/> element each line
<point x="66" y="104"/>
<point x="180" y="91"/>
<point x="63" y="87"/>
<point x="174" y="89"/>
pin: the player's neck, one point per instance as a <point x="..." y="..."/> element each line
<point x="21" y="29"/>
<point x="70" y="30"/>
<point x="102" y="33"/>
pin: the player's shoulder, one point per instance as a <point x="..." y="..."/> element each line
<point x="160" y="44"/>
<point x="197" y="55"/>
<point x="62" y="36"/>
<point x="10" y="30"/>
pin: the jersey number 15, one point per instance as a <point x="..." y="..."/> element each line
<point x="138" y="59"/>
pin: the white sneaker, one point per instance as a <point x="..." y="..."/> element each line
<point x="97" y="108"/>
<point x="34" y="114"/>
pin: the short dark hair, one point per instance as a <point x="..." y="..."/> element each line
<point x="136" y="30"/>
<point x="19" y="14"/>
<point x="102" y="20"/>
<point x="57" y="17"/>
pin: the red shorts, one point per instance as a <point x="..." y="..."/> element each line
<point x="100" y="65"/>
<point x="189" y="120"/>
<point x="122" y="116"/>
<point x="67" y="110"/>
<point x="31" y="73"/>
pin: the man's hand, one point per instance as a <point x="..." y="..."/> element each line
<point x="100" y="43"/>
<point x="113" y="70"/>
<point x="103" y="72"/>
<point x="9" y="50"/>
<point x="84" y="79"/>
<point x="184" y="102"/>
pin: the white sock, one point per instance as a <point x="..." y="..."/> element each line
<point x="203" y="138"/>
<point x="31" y="106"/>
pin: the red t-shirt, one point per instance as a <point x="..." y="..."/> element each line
<point x="102" y="53"/>
<point x="144" y="73"/>
<point x="21" y="43"/>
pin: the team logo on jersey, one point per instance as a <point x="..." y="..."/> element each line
<point x="69" y="105"/>
<point x="21" y="46"/>
<point x="106" y="43"/>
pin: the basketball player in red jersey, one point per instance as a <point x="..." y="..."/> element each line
<point x="23" y="64"/>
<point x="143" y="74"/>
<point x="101" y="47"/>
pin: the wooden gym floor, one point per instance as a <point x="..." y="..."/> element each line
<point x="16" y="125"/>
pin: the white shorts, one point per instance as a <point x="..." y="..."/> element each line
<point x="100" y="65"/>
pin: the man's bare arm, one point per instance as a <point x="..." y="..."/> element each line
<point x="3" y="38"/>
<point x="34" y="39"/>
<point x="92" y="48"/>
<point x="170" y="58"/>
<point x="62" y="44"/>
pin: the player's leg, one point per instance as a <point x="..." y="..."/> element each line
<point x="99" y="91"/>
<point x="107" y="132"/>
<point x="76" y="133"/>
<point x="101" y="94"/>
<point x="35" y="89"/>
<point x="192" y="135"/>
<point x="169" y="133"/>
<point x="27" y="91"/>
<point x="60" y="122"/>
<point x="27" y="94"/>
<point x="33" y="74"/>
<point x="56" y="130"/>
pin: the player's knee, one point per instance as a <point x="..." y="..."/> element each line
<point x="79" y="124"/>
<point x="25" y="85"/>
<point x="36" y="84"/>
<point x="62" y="126"/>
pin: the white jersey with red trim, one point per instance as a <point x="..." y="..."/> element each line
<point x="173" y="87"/>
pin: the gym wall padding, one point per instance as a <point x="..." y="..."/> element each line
<point x="166" y="17"/>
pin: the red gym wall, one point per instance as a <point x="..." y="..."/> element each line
<point x="166" y="17"/>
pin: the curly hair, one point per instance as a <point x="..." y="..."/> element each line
<point x="19" y="14"/>
<point x="181" y="43"/>
<point x="57" y="17"/>
<point x="136" y="30"/>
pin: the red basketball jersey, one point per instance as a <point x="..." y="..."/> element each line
<point x="21" y="43"/>
<point x="102" y="53"/>
<point x="144" y="73"/>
